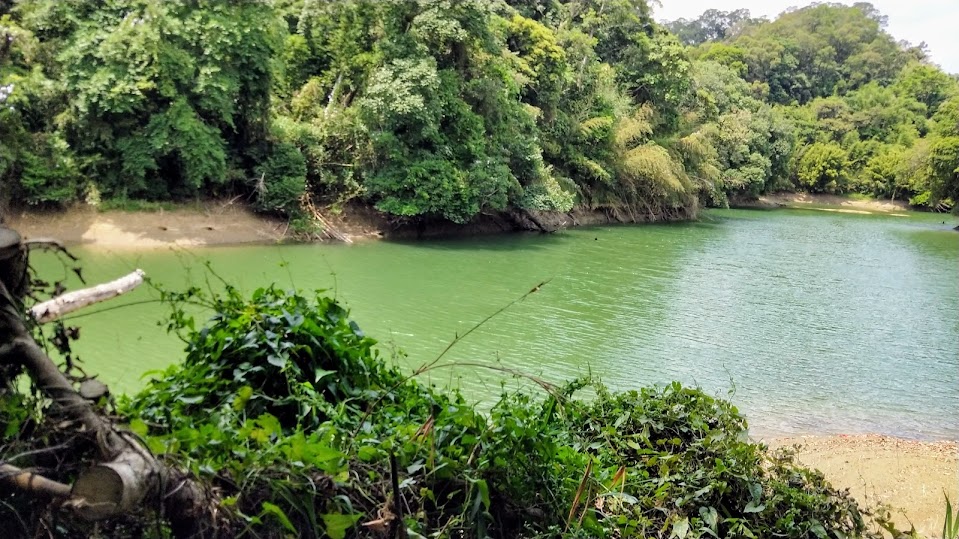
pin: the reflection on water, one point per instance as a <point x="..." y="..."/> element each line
<point x="820" y="322"/>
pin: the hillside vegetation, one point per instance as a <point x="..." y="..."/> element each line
<point x="440" y="109"/>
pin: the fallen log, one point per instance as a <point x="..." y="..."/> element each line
<point x="59" y="306"/>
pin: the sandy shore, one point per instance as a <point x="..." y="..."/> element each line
<point x="832" y="203"/>
<point x="226" y="223"/>
<point x="194" y="226"/>
<point x="907" y="475"/>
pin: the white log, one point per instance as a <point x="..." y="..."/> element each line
<point x="59" y="306"/>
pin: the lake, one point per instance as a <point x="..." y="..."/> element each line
<point x="812" y="322"/>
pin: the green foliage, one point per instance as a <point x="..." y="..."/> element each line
<point x="687" y="465"/>
<point x="38" y="169"/>
<point x="926" y="84"/>
<point x="712" y="25"/>
<point x="285" y="404"/>
<point x="155" y="99"/>
<point x="435" y="109"/>
<point x="822" y="167"/>
<point x="950" y="525"/>
<point x="281" y="180"/>
<point x="944" y="169"/>
<point x="818" y="50"/>
<point x="37" y="166"/>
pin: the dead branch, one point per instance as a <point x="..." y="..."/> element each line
<point x="59" y="306"/>
<point x="30" y="482"/>
<point x="329" y="230"/>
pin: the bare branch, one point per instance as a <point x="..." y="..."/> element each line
<point x="31" y="482"/>
<point x="57" y="307"/>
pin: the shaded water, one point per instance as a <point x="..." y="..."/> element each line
<point x="821" y="322"/>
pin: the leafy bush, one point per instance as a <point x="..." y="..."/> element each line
<point x="285" y="405"/>
<point x="281" y="180"/>
<point x="823" y="168"/>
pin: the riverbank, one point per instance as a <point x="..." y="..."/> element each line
<point x="215" y="223"/>
<point x="908" y="476"/>
<point x="823" y="202"/>
<point x="194" y="225"/>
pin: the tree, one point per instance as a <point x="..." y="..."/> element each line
<point x="927" y="85"/>
<point x="822" y="167"/>
<point x="712" y="25"/>
<point x="944" y="172"/>
<point x="161" y="94"/>
<point x="818" y="50"/>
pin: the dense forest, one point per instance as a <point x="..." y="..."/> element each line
<point x="434" y="108"/>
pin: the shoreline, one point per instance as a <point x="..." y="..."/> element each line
<point x="214" y="223"/>
<point x="824" y="202"/>
<point x="908" y="476"/>
<point x="209" y="224"/>
<point x="219" y="223"/>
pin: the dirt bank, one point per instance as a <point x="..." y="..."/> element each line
<point x="189" y="226"/>
<point x="905" y="474"/>
<point x="825" y="203"/>
<point x="225" y="223"/>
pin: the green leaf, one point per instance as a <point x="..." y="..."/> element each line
<point x="680" y="529"/>
<point x="275" y="360"/>
<point x="138" y="427"/>
<point x="817" y="528"/>
<point x="754" y="507"/>
<point x="271" y="509"/>
<point x="484" y="493"/>
<point x="337" y="524"/>
<point x="367" y="453"/>
<point x="320" y="374"/>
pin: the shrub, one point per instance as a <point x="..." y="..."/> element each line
<point x="284" y="403"/>
<point x="822" y="167"/>
<point x="281" y="180"/>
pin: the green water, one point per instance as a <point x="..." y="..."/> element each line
<point x="820" y="322"/>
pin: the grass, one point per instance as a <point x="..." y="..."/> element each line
<point x="135" y="205"/>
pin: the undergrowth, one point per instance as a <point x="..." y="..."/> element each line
<point x="284" y="406"/>
<point x="285" y="411"/>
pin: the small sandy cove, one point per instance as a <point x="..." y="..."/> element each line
<point x="910" y="476"/>
<point x="205" y="224"/>
<point x="833" y="203"/>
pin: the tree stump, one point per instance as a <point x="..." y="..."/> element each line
<point x="13" y="263"/>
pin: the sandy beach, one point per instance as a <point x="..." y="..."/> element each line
<point x="911" y="477"/>
<point x="206" y="224"/>
<point x="836" y="203"/>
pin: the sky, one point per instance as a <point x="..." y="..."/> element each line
<point x="932" y="21"/>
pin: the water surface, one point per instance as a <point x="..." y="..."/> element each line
<point x="815" y="322"/>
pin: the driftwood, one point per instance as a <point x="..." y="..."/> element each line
<point x="130" y="477"/>
<point x="329" y="230"/>
<point x="55" y="308"/>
